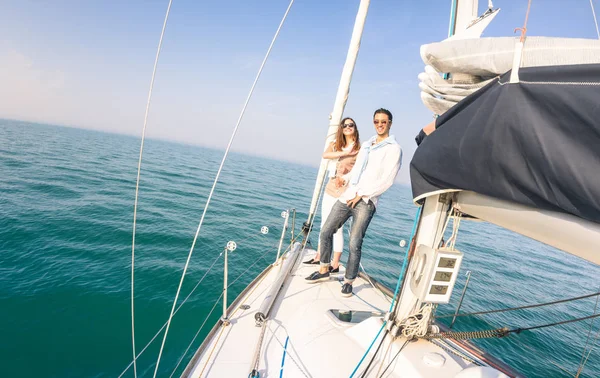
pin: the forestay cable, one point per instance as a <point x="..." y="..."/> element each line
<point x="215" y="183"/>
<point x="137" y="185"/>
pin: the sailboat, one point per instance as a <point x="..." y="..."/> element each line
<point x="532" y="170"/>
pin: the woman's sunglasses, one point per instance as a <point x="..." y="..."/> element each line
<point x="348" y="125"/>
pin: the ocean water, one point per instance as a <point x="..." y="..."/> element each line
<point x="66" y="208"/>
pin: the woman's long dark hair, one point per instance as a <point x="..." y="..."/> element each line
<point x="340" y="138"/>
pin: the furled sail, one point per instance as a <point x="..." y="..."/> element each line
<point x="473" y="63"/>
<point x="533" y="143"/>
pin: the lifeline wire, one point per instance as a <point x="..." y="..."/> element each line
<point x="137" y="186"/>
<point x="197" y="333"/>
<point x="215" y="184"/>
<point x="185" y="300"/>
<point x="213" y="309"/>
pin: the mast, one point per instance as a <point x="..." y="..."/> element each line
<point x="466" y="11"/>
<point x="340" y="100"/>
<point x="462" y="12"/>
<point x="435" y="208"/>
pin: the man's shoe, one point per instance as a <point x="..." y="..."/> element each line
<point x="347" y="290"/>
<point x="336" y="270"/>
<point x="311" y="261"/>
<point x="317" y="277"/>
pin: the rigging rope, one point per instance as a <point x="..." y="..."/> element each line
<point x="256" y="360"/>
<point x="213" y="308"/>
<point x="489" y="333"/>
<point x="387" y="351"/>
<point x="394" y="359"/>
<point x="501" y="332"/>
<point x="519" y="330"/>
<point x="215" y="183"/>
<point x="400" y="279"/>
<point x="518" y="308"/>
<point x="235" y="310"/>
<point x="210" y="313"/>
<point x="591" y="348"/>
<point x="369" y="348"/>
<point x="595" y="20"/>
<point x="190" y="294"/>
<point x="259" y="259"/>
<point x="524" y="28"/>
<point x="283" y="357"/>
<point x="197" y="333"/>
<point x="536" y="353"/>
<point x="405" y="262"/>
<point x="581" y="365"/>
<point x="289" y="354"/>
<point x="137" y="186"/>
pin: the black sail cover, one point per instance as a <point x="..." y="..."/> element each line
<point x="536" y="142"/>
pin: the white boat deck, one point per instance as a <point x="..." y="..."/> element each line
<point x="318" y="345"/>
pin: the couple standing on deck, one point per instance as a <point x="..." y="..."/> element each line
<point x="362" y="175"/>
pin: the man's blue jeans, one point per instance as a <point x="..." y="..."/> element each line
<point x="361" y="215"/>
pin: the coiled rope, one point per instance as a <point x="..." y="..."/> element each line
<point x="137" y="187"/>
<point x="417" y="324"/>
<point x="215" y="184"/>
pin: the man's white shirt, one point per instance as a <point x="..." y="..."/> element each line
<point x="378" y="175"/>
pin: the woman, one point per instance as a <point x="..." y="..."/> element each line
<point x="344" y="148"/>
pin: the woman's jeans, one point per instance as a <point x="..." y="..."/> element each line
<point x="361" y="215"/>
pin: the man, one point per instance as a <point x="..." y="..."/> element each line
<point x="376" y="167"/>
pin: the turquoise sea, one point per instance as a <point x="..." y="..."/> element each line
<point x="66" y="209"/>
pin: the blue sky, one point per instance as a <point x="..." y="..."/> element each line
<point x="88" y="64"/>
